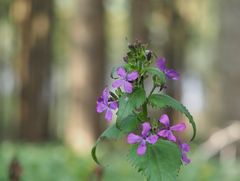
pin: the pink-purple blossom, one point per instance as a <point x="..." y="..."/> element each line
<point x="104" y="104"/>
<point x="167" y="130"/>
<point x="170" y="73"/>
<point x="185" y="148"/>
<point x="125" y="79"/>
<point x="143" y="139"/>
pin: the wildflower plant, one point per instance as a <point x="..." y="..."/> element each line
<point x="155" y="150"/>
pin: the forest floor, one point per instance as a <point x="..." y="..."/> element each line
<point x="54" y="162"/>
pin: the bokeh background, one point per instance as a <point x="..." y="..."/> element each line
<point x="56" y="57"/>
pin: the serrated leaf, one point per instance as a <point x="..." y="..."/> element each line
<point x="161" y="162"/>
<point x="111" y="132"/>
<point x="130" y="102"/>
<point x="158" y="73"/>
<point x="162" y="101"/>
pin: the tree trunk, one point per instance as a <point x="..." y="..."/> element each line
<point x="1" y="117"/>
<point x="174" y="49"/>
<point x="86" y="74"/>
<point x="228" y="61"/>
<point x="36" y="21"/>
<point x="140" y="15"/>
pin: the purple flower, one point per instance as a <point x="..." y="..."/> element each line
<point x="170" y="73"/>
<point x="146" y="137"/>
<point x="185" y="148"/>
<point x="166" y="132"/>
<point x="125" y="79"/>
<point x="103" y="104"/>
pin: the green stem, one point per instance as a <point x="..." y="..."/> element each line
<point x="154" y="87"/>
<point x="144" y="106"/>
<point x="115" y="97"/>
<point x="145" y="110"/>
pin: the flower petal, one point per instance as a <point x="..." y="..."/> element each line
<point x="167" y="134"/>
<point x="132" y="76"/>
<point x="178" y="127"/>
<point x="171" y="137"/>
<point x="163" y="133"/>
<point x="113" y="105"/>
<point x="133" y="138"/>
<point x="164" y="119"/>
<point x="105" y="95"/>
<point x="152" y="139"/>
<point x="161" y="64"/>
<point x="128" y="87"/>
<point x="185" y="147"/>
<point x="121" y="72"/>
<point x="172" y="74"/>
<point x="142" y="147"/>
<point x="146" y="127"/>
<point x="185" y="159"/>
<point x="117" y="83"/>
<point x="108" y="115"/>
<point x="100" y="107"/>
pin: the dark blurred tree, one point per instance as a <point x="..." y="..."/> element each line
<point x="140" y="20"/>
<point x="87" y="69"/>
<point x="228" y="62"/>
<point x="35" y="19"/>
<point x="174" y="47"/>
<point x="1" y="116"/>
<point x="4" y="10"/>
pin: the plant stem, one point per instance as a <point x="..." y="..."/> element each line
<point x="144" y="106"/>
<point x="115" y="97"/>
<point x="154" y="87"/>
<point x="145" y="111"/>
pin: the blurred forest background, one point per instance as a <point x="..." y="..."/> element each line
<point x="56" y="57"/>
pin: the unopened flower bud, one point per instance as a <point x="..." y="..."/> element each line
<point x="148" y="54"/>
<point x="125" y="58"/>
<point x="131" y="46"/>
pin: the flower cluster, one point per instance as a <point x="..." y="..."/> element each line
<point x="143" y="139"/>
<point x="125" y="79"/>
<point x="108" y="103"/>
<point x="130" y="77"/>
<point x="148" y="136"/>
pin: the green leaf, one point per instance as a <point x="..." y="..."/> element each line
<point x="155" y="72"/>
<point x="162" y="101"/>
<point x="161" y="162"/>
<point x="129" y="123"/>
<point x="128" y="103"/>
<point x="111" y="132"/>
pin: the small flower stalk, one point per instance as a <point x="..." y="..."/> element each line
<point x="155" y="142"/>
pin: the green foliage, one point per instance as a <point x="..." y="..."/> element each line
<point x="48" y="162"/>
<point x="158" y="76"/>
<point x="136" y="53"/>
<point x="129" y="123"/>
<point x="162" y="101"/>
<point x="161" y="162"/>
<point x="110" y="133"/>
<point x="128" y="103"/>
